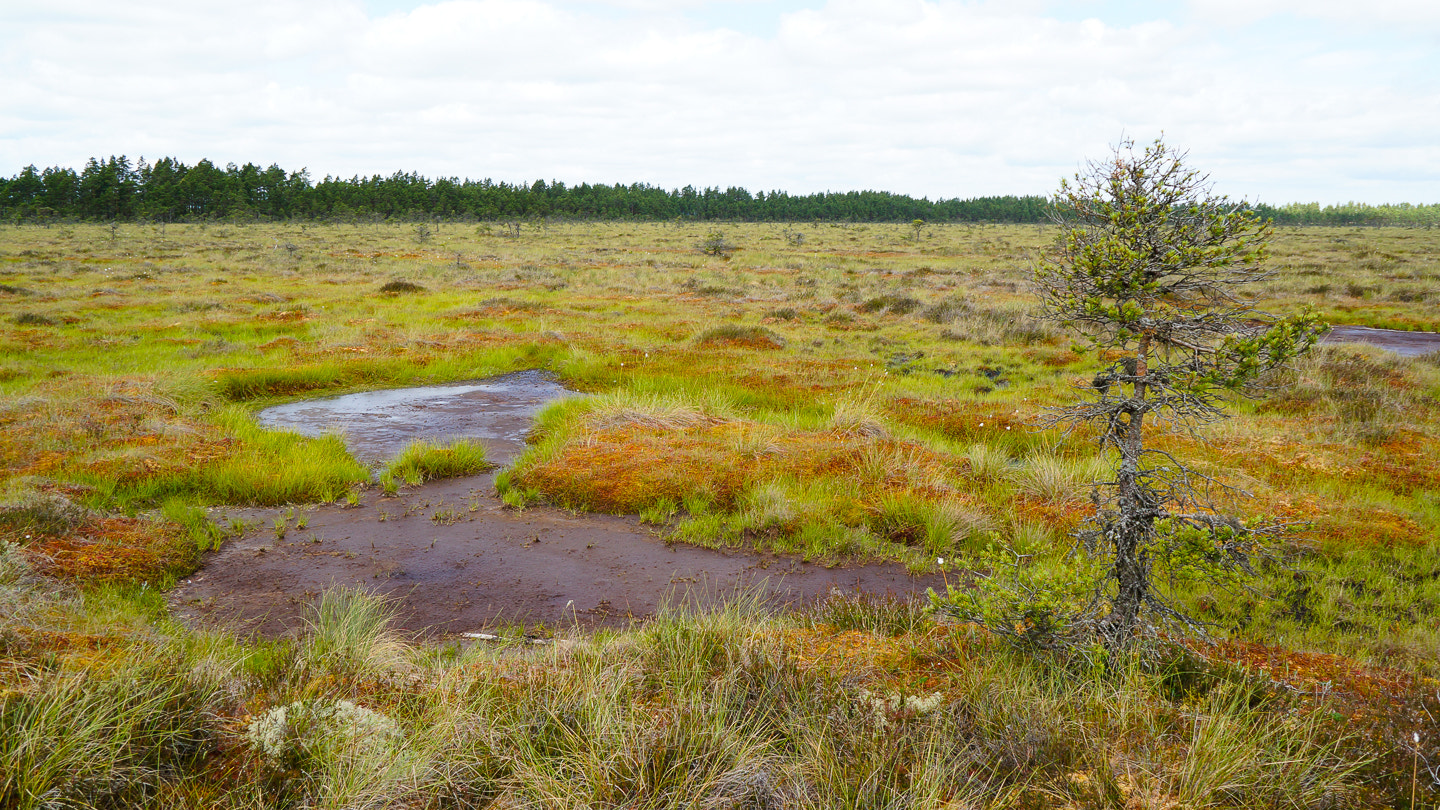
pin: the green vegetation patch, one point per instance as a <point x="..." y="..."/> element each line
<point x="426" y="461"/>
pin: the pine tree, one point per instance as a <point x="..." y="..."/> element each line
<point x="1148" y="268"/>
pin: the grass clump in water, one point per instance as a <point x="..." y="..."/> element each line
<point x="239" y="385"/>
<point x="425" y="461"/>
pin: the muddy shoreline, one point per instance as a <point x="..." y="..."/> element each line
<point x="456" y="560"/>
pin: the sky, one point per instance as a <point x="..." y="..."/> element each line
<point x="1280" y="101"/>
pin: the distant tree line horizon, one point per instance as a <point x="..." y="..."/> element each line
<point x="168" y="190"/>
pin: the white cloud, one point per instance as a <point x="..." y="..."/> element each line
<point x="1375" y="13"/>
<point x="932" y="97"/>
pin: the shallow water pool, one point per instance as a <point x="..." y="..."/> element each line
<point x="377" y="425"/>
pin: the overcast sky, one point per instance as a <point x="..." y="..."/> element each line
<point x="1279" y="100"/>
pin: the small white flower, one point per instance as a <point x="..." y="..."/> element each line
<point x="940" y="561"/>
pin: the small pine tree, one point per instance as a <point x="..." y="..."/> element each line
<point x="1147" y="268"/>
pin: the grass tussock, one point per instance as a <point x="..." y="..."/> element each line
<point x="258" y="466"/>
<point x="33" y="511"/>
<point x="401" y="286"/>
<point x="426" y="461"/>
<point x="652" y="412"/>
<point x="33" y="319"/>
<point x="740" y="336"/>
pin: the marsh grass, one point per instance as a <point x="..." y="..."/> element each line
<point x="263" y="467"/>
<point x="827" y="447"/>
<point x="1365" y="395"/>
<point x="206" y="534"/>
<point x="424" y="461"/>
<point x="740" y="707"/>
<point x="400" y="286"/>
<point x="1059" y="480"/>
<point x="352" y="633"/>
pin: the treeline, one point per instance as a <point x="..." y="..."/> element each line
<point x="1353" y="213"/>
<point x="170" y="191"/>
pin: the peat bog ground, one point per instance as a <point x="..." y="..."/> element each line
<point x="841" y="404"/>
<point x="454" y="558"/>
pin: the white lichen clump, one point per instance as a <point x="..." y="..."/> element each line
<point x="292" y="733"/>
<point x="895" y="706"/>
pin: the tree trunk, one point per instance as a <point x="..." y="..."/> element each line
<point x="1130" y="529"/>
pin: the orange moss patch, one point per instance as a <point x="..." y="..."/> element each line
<point x="1312" y="672"/>
<point x="1053" y="358"/>
<point x="38" y="640"/>
<point x="1406" y="464"/>
<point x="282" y="342"/>
<point x="30" y="648"/>
<point x="126" y="435"/>
<point x="622" y="471"/>
<point x="960" y="419"/>
<point x="1064" y="517"/>
<point x="1348" y="527"/>
<point x="286" y="315"/>
<point x="162" y="456"/>
<point x="1371" y="708"/>
<point x="625" y="468"/>
<point x="1402" y="468"/>
<point x="112" y="550"/>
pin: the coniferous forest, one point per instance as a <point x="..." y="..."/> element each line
<point x="168" y="190"/>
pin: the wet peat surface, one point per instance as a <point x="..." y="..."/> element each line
<point x="1408" y="344"/>
<point x="456" y="560"/>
